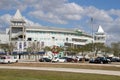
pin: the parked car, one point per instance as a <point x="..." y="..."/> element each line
<point x="85" y="59"/>
<point x="45" y="60"/>
<point x="71" y="60"/>
<point x="61" y="59"/>
<point x="81" y="58"/>
<point x="101" y="60"/>
<point x="8" y="59"/>
<point x="92" y="60"/>
<point x="115" y="60"/>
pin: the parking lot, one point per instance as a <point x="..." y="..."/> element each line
<point x="75" y="63"/>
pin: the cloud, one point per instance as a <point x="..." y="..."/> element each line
<point x="70" y="11"/>
<point x="114" y="12"/>
<point x="59" y="12"/>
<point x="113" y="28"/>
<point x="97" y="14"/>
<point x="12" y="4"/>
<point x="31" y="23"/>
<point x="5" y="22"/>
<point x="50" y="17"/>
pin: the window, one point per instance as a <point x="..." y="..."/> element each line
<point x="29" y="39"/>
<point x="66" y="39"/>
<point x="79" y="40"/>
<point x="53" y="38"/>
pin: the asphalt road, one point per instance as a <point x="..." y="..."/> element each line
<point x="105" y="72"/>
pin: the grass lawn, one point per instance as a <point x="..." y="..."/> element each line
<point x="50" y="75"/>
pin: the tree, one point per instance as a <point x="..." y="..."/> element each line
<point x="72" y="51"/>
<point x="8" y="48"/>
<point x="92" y="47"/>
<point x="85" y="48"/>
<point x="4" y="47"/>
<point x="34" y="47"/>
<point x="107" y="49"/>
<point x="115" y="48"/>
<point x="98" y="47"/>
<point x="47" y="49"/>
<point x="29" y="50"/>
<point x="11" y="47"/>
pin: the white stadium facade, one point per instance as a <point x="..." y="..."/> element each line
<point x="23" y="36"/>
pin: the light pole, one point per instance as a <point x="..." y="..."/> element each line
<point x="92" y="27"/>
<point x="91" y="21"/>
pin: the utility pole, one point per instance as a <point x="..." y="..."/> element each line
<point x="92" y="25"/>
<point x="91" y="21"/>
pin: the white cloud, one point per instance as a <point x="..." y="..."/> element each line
<point x="114" y="12"/>
<point x="73" y="17"/>
<point x="100" y="15"/>
<point x="69" y="8"/>
<point x="31" y="23"/>
<point x="12" y="4"/>
<point x="57" y="11"/>
<point x="111" y="37"/>
<point x="5" y="21"/>
<point x="47" y="17"/>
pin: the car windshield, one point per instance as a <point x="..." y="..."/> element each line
<point x="63" y="57"/>
<point x="3" y="58"/>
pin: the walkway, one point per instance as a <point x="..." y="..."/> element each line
<point x="105" y="72"/>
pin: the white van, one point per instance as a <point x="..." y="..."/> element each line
<point x="8" y="59"/>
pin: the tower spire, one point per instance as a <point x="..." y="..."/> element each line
<point x="100" y="29"/>
<point x="17" y="15"/>
<point x="100" y="36"/>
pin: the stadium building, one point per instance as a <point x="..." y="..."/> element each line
<point x="24" y="36"/>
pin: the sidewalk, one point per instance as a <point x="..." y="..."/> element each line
<point x="105" y="72"/>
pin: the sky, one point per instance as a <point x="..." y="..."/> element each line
<point x="74" y="14"/>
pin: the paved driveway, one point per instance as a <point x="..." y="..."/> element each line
<point x="105" y="72"/>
